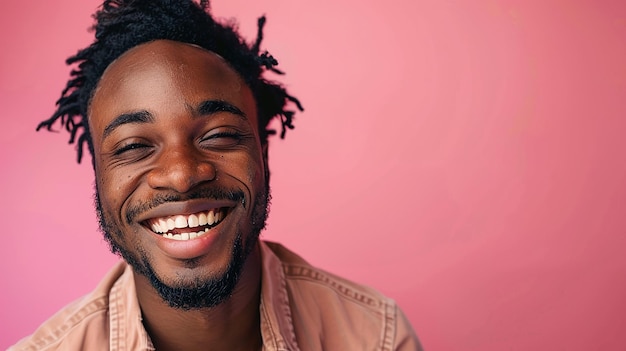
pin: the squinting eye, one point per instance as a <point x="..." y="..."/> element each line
<point x="129" y="147"/>
<point x="221" y="140"/>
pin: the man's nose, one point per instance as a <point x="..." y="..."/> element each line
<point x="180" y="169"/>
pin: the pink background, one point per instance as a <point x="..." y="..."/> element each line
<point x="464" y="157"/>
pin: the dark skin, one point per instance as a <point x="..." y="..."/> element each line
<point x="154" y="136"/>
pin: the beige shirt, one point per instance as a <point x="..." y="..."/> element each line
<point x="302" y="308"/>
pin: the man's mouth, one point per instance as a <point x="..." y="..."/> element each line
<point x="187" y="227"/>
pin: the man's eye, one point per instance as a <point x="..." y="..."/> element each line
<point x="221" y="139"/>
<point x="129" y="147"/>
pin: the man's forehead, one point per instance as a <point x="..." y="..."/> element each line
<point x="165" y="50"/>
<point x="155" y="62"/>
<point x="167" y="68"/>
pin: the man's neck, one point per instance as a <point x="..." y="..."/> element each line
<point x="232" y="325"/>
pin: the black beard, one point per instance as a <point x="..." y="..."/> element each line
<point x="200" y="293"/>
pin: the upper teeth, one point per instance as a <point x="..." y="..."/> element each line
<point x="165" y="224"/>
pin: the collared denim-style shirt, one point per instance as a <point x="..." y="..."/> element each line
<point x="302" y="308"/>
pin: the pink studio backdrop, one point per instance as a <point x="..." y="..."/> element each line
<point x="464" y="157"/>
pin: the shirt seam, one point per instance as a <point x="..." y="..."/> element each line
<point x="389" y="327"/>
<point x="317" y="276"/>
<point x="115" y="318"/>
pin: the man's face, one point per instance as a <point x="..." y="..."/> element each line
<point x="180" y="170"/>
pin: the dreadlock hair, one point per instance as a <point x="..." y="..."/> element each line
<point x="123" y="24"/>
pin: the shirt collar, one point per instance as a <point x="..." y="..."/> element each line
<point x="126" y="331"/>
<point x="276" y="322"/>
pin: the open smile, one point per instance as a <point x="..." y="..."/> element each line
<point x="187" y="227"/>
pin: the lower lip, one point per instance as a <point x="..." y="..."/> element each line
<point x="188" y="249"/>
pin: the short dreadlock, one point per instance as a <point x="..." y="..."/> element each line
<point x="123" y="24"/>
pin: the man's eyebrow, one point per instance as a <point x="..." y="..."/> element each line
<point x="210" y="107"/>
<point x="132" y="117"/>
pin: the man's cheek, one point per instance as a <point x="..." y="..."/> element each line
<point x="255" y="172"/>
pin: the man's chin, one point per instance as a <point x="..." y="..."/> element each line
<point x="197" y="292"/>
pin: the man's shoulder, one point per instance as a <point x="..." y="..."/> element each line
<point x="333" y="312"/>
<point x="84" y="318"/>
<point x="299" y="272"/>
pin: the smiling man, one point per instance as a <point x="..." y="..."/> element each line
<point x="174" y="111"/>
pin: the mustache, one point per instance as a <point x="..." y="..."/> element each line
<point x="217" y="193"/>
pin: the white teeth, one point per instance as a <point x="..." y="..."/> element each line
<point x="193" y="221"/>
<point x="185" y="236"/>
<point x="181" y="222"/>
<point x="202" y="219"/>
<point x="170" y="224"/>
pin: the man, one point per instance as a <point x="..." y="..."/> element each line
<point x="174" y="111"/>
